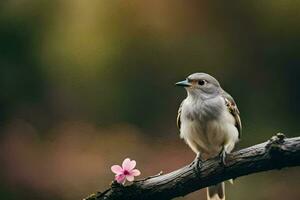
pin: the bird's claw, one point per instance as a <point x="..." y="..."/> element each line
<point x="196" y="165"/>
<point x="223" y="156"/>
<point x="197" y="161"/>
<point x="192" y="163"/>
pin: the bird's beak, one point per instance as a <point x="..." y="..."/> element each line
<point x="184" y="83"/>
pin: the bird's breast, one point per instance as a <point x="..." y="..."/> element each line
<point x="208" y="126"/>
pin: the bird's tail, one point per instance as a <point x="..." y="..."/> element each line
<point x="216" y="192"/>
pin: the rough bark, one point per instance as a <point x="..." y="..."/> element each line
<point x="276" y="153"/>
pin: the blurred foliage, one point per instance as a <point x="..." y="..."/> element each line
<point x="82" y="80"/>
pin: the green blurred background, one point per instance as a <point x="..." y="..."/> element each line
<point x="85" y="84"/>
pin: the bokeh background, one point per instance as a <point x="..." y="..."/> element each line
<point x="85" y="84"/>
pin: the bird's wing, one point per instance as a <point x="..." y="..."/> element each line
<point x="233" y="109"/>
<point x="178" y="116"/>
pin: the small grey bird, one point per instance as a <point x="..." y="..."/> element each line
<point x="209" y="122"/>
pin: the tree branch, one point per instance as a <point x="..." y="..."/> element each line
<point x="277" y="153"/>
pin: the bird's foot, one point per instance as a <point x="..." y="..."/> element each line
<point x="196" y="165"/>
<point x="223" y="156"/>
<point x="197" y="161"/>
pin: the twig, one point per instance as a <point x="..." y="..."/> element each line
<point x="277" y="153"/>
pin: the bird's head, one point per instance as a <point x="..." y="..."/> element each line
<point x="201" y="85"/>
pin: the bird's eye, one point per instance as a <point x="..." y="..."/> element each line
<point x="201" y="82"/>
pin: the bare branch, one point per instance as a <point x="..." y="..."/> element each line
<point x="277" y="153"/>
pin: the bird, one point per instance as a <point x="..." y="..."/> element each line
<point x="209" y="122"/>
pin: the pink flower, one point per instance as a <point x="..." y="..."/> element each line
<point x="127" y="171"/>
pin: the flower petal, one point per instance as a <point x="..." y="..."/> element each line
<point x="120" y="178"/>
<point x="135" y="172"/>
<point x="132" y="165"/>
<point x="117" y="169"/>
<point x="125" y="163"/>
<point x="130" y="178"/>
<point x="128" y="164"/>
